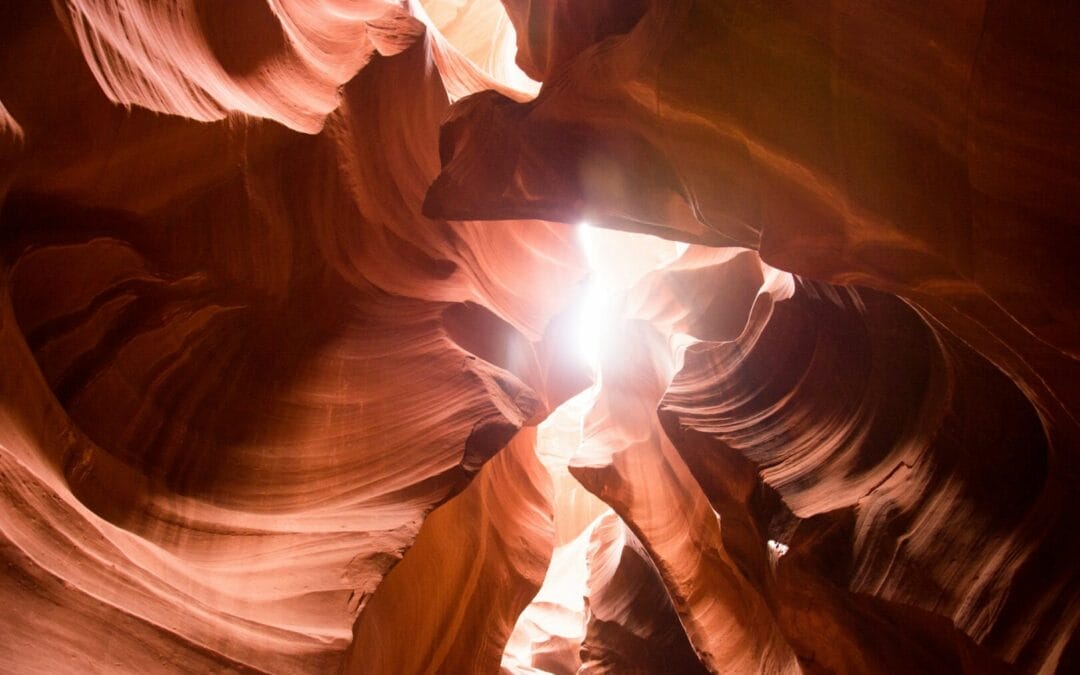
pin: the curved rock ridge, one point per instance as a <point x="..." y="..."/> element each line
<point x="632" y="627"/>
<point x="552" y="32"/>
<point x="186" y="57"/>
<point x="858" y="436"/>
<point x="476" y="564"/>
<point x="539" y="336"/>
<point x="235" y="395"/>
<point x="641" y="290"/>
<point x="626" y="459"/>
<point x="548" y="634"/>
<point x="602" y="608"/>
<point x="928" y="153"/>
<point x="839" y="428"/>
<point x="484" y="36"/>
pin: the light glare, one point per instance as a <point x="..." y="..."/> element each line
<point x="617" y="261"/>
<point x="595" y="320"/>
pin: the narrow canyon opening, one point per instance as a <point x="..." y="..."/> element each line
<point x="550" y="633"/>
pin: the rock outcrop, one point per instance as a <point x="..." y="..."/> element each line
<point x="539" y="336"/>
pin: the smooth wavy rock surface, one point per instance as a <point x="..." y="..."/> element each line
<point x="302" y="372"/>
<point x="539" y="336"/>
<point x="866" y="528"/>
<point x="632" y="627"/>
<point x="929" y="152"/>
<point x="476" y="564"/>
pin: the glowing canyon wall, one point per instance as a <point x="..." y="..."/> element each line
<point x="541" y="336"/>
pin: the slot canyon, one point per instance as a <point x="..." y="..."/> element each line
<point x="540" y="336"/>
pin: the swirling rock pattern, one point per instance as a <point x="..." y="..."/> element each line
<point x="632" y="627"/>
<point x="880" y="522"/>
<point x="476" y="564"/>
<point x="271" y="369"/>
<point x="304" y="366"/>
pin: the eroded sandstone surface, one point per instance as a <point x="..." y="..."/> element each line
<point x="539" y="336"/>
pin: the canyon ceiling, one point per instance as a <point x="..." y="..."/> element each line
<point x="540" y="336"/>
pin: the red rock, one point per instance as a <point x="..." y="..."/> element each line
<point x="306" y="363"/>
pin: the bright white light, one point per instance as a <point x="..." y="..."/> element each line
<point x="777" y="548"/>
<point x="594" y="324"/>
<point x="617" y="261"/>
<point x="585" y="236"/>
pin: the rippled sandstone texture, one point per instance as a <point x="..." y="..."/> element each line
<point x="289" y="290"/>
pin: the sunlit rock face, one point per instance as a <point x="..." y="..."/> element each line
<point x="539" y="336"/>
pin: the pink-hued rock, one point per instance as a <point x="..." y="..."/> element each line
<point x="331" y="338"/>
<point x="240" y="368"/>
<point x="476" y="564"/>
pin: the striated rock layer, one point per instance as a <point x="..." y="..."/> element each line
<point x="242" y="369"/>
<point x="308" y="363"/>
